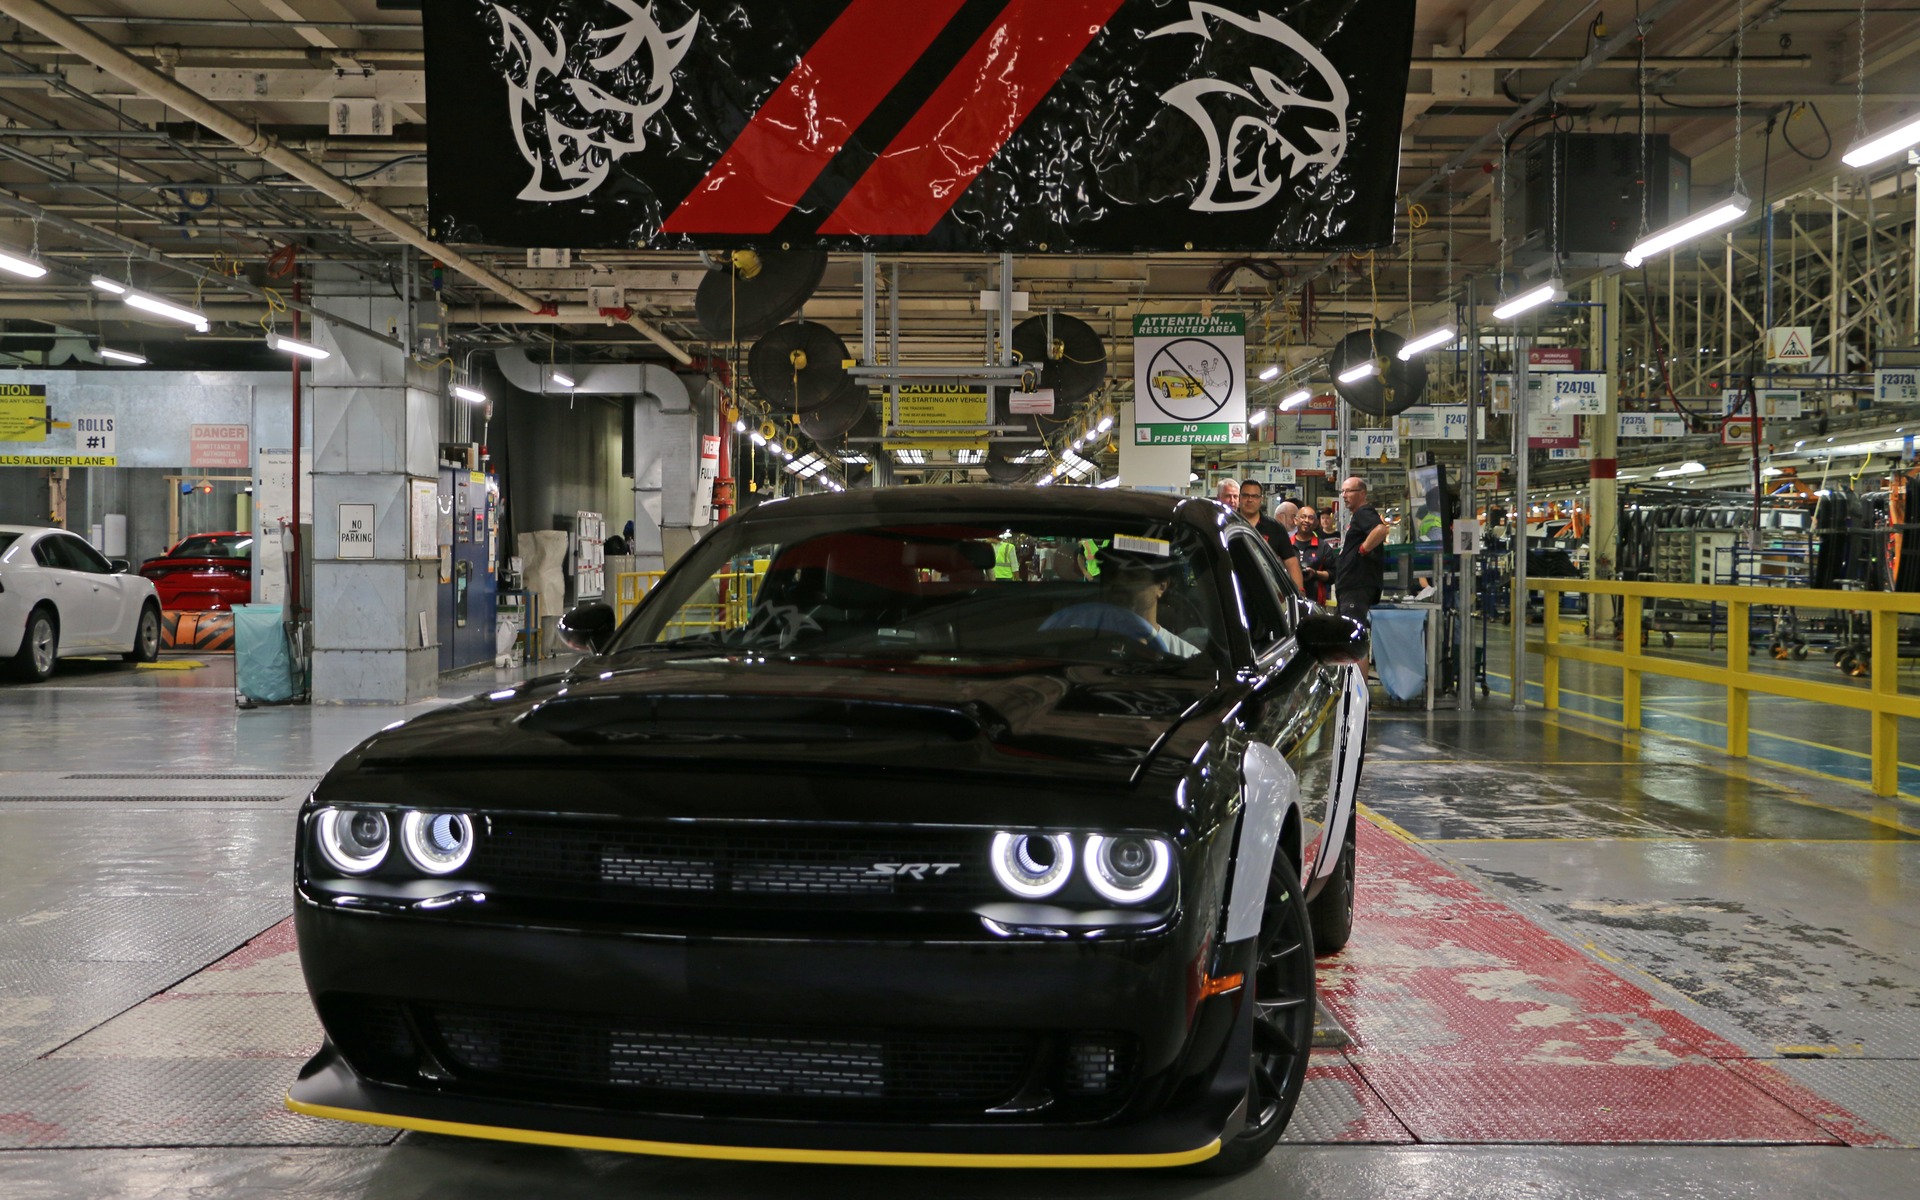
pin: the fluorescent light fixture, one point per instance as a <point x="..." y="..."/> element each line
<point x="1105" y="424"/>
<point x="1769" y="472"/>
<point x="161" y="308"/>
<point x="1725" y="213"/>
<point x="1546" y="293"/>
<point x="1356" y="374"/>
<point x="20" y="264"/>
<point x="739" y="426"/>
<point x="303" y="349"/>
<point x="1426" y="341"/>
<point x="1296" y="400"/>
<point x="122" y="356"/>
<point x="470" y="395"/>
<point x="1884" y="145"/>
<point x="757" y="439"/>
<point x="102" y="283"/>
<point x="1272" y="371"/>
<point x="1257" y="418"/>
<point x="1044" y="481"/>
<point x="1685" y="468"/>
<point x="561" y="379"/>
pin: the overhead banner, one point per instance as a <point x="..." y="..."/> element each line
<point x="1190" y="379"/>
<point x="965" y="125"/>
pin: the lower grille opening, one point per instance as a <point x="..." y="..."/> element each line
<point x="860" y="1074"/>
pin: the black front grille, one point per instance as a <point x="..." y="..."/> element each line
<point x="732" y="865"/>
<point x="625" y="1063"/>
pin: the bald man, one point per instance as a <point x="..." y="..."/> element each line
<point x="1287" y="514"/>
<point x="1361" y="567"/>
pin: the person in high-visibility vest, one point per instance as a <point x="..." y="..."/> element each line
<point x="1090" y="557"/>
<point x="1006" y="560"/>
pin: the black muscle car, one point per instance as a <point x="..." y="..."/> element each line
<point x="931" y="826"/>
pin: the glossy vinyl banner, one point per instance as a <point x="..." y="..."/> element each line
<point x="1064" y="125"/>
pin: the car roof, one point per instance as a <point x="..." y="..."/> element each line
<point x="984" y="500"/>
<point x="31" y="529"/>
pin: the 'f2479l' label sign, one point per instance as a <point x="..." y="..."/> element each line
<point x="926" y="124"/>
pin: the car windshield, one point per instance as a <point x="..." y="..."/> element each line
<point x="1077" y="590"/>
<point x="215" y="545"/>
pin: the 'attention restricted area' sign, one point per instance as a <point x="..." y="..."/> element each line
<point x="1190" y="379"/>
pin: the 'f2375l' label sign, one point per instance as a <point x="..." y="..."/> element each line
<point x="928" y="124"/>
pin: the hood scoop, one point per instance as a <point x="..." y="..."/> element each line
<point x="745" y="719"/>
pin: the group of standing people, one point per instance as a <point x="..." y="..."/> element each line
<point x="1352" y="567"/>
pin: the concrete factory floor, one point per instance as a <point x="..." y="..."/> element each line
<point x="1586" y="964"/>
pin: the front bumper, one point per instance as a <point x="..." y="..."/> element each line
<point x="1184" y="1089"/>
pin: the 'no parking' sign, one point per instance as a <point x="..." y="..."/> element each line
<point x="1190" y="379"/>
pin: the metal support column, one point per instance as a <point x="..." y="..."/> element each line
<point x="1517" y="596"/>
<point x="1465" y="590"/>
<point x="1006" y="335"/>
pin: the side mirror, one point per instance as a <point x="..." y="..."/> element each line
<point x="1332" y="638"/>
<point x="587" y="627"/>
<point x="120" y="565"/>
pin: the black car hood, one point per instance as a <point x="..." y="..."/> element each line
<point x="1086" y="723"/>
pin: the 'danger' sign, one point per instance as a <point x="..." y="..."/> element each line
<point x="930" y="124"/>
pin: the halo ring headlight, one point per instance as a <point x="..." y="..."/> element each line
<point x="1128" y="870"/>
<point x="353" y="840"/>
<point x="1032" y="865"/>
<point x="438" y="843"/>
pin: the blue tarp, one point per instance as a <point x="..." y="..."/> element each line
<point x="1400" y="651"/>
<point x="262" y="668"/>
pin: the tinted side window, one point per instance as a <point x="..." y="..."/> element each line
<point x="76" y="555"/>
<point x="1260" y="594"/>
<point x="43" y="553"/>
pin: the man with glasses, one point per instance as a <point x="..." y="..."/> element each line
<point x="1253" y="503"/>
<point x="1361" y="566"/>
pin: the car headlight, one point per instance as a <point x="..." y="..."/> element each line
<point x="1127" y="870"/>
<point x="1032" y="865"/>
<point x="437" y="843"/>
<point x="353" y="840"/>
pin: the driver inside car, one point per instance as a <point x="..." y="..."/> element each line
<point x="1130" y="591"/>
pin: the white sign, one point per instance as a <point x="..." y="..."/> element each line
<point x="1190" y="379"/>
<point x="1298" y="458"/>
<point x="356" y="531"/>
<point x="1652" y="425"/>
<point x="1780" y="406"/>
<point x="1790" y="344"/>
<point x="703" y="488"/>
<point x="1363" y="443"/>
<point x="1039" y="401"/>
<point x="1466" y="535"/>
<point x="1898" y="386"/>
<point x="93" y="435"/>
<point x="1447" y="423"/>
<point x="1582" y="393"/>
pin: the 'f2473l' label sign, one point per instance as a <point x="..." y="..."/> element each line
<point x="928" y="124"/>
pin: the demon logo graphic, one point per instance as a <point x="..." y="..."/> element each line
<point x="578" y="109"/>
<point x="1262" y="137"/>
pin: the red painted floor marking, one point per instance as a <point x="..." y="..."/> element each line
<point x="1476" y="1025"/>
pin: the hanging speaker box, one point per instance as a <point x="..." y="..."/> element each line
<point x="755" y="291"/>
<point x="796" y="367"/>
<point x="1393" y="386"/>
<point x="1073" y="363"/>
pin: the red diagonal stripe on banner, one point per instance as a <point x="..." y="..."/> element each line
<point x="807" y="120"/>
<point x="969" y="117"/>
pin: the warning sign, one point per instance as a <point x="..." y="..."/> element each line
<point x="1790" y="344"/>
<point x="1737" y="431"/>
<point x="24" y="415"/>
<point x="959" y="406"/>
<point x="1189" y="379"/>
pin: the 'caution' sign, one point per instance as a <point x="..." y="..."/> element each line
<point x="1790" y="344"/>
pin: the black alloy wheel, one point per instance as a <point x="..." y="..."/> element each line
<point x="1282" y="993"/>
<point x="1331" y="912"/>
<point x="146" y="637"/>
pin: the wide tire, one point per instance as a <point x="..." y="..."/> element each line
<point x="39" y="648"/>
<point x="1331" y="912"/>
<point x="146" y="637"/>
<point x="1281" y="991"/>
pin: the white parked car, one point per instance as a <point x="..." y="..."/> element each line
<point x="60" y="596"/>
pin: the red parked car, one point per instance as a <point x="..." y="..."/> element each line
<point x="208" y="572"/>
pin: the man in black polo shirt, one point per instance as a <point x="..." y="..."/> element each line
<point x="1253" y="503"/>
<point x="1361" y="567"/>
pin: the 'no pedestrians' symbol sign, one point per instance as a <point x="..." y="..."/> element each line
<point x="1190" y="379"/>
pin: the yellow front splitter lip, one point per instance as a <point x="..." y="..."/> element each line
<point x="769" y="1154"/>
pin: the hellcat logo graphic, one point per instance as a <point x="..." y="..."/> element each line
<point x="1263" y="136"/>
<point x="578" y="109"/>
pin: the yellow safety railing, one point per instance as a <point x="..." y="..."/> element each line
<point x="725" y="603"/>
<point x="1881" y="699"/>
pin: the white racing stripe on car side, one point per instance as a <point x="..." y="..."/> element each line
<point x="1343" y="789"/>
<point x="1270" y="789"/>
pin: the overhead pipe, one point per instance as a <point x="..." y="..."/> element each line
<point x="37" y="16"/>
